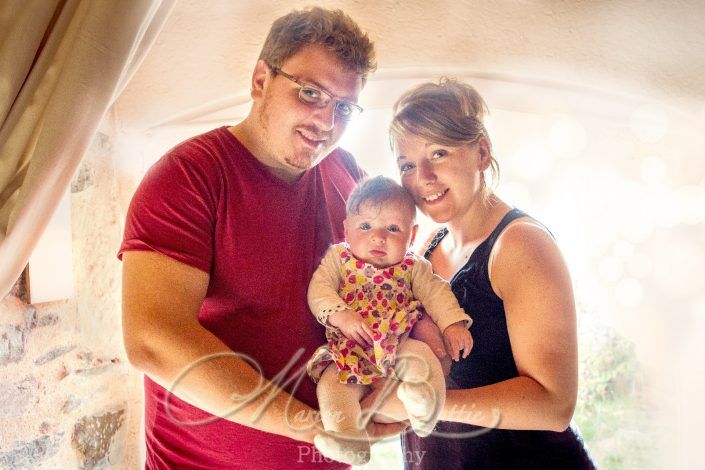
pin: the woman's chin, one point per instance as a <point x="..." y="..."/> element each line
<point x="438" y="216"/>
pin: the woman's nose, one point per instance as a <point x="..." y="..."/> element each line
<point x="425" y="174"/>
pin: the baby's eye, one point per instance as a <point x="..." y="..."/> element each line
<point x="404" y="167"/>
<point x="393" y="228"/>
<point x="438" y="154"/>
<point x="365" y="226"/>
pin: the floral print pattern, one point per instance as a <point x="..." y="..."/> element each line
<point x="384" y="298"/>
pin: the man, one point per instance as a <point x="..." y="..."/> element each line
<point x="221" y="239"/>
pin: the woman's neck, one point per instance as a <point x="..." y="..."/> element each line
<point x="472" y="227"/>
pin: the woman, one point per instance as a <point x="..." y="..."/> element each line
<point x="508" y="274"/>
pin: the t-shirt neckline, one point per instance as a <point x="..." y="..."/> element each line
<point x="262" y="168"/>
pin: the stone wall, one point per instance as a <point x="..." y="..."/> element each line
<point x="68" y="397"/>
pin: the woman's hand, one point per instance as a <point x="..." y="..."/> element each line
<point x="353" y="326"/>
<point x="458" y="338"/>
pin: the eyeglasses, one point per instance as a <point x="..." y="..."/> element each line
<point x="311" y="94"/>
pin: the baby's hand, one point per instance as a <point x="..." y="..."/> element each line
<point x="353" y="326"/>
<point x="457" y="338"/>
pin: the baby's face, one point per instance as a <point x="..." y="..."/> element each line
<point x="380" y="234"/>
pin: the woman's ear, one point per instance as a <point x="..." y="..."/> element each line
<point x="483" y="147"/>
<point x="259" y="79"/>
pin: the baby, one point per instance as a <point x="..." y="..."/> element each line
<point x="368" y="293"/>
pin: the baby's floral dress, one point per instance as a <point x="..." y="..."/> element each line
<point x="382" y="296"/>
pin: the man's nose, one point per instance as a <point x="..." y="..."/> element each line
<point x="324" y="116"/>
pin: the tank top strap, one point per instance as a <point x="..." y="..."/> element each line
<point x="435" y="241"/>
<point x="489" y="242"/>
<point x="508" y="218"/>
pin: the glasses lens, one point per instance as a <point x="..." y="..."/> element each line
<point x="347" y="111"/>
<point x="311" y="95"/>
<point x="314" y="96"/>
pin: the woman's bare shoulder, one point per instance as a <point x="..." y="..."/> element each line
<point x="524" y="235"/>
<point x="525" y="246"/>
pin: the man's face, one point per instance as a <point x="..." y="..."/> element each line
<point x="296" y="136"/>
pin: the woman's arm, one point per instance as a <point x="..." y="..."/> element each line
<point x="528" y="273"/>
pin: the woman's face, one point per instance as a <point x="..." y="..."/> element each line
<point x="445" y="181"/>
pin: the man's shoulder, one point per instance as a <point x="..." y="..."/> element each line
<point x="206" y="145"/>
<point x="203" y="154"/>
<point x="340" y="160"/>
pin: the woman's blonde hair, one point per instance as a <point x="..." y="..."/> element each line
<point x="449" y="113"/>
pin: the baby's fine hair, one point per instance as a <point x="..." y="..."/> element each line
<point x="378" y="190"/>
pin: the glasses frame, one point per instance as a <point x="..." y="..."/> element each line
<point x="326" y="97"/>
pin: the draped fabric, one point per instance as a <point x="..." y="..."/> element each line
<point x="62" y="64"/>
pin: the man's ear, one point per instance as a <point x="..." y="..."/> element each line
<point x="483" y="147"/>
<point x="414" y="229"/>
<point x="260" y="76"/>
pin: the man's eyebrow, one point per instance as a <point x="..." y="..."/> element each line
<point x="318" y="85"/>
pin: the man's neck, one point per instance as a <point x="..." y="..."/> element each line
<point x="249" y="138"/>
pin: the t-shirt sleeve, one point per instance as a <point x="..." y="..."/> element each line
<point x="351" y="165"/>
<point x="436" y="296"/>
<point x="174" y="208"/>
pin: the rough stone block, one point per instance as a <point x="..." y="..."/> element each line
<point x="30" y="316"/>
<point x="71" y="403"/>
<point x="83" y="179"/>
<point x="13" y="337"/>
<point x="19" y="289"/>
<point x="93" y="436"/>
<point x="18" y="398"/>
<point x="48" y="320"/>
<point x="53" y="354"/>
<point x="30" y="454"/>
<point x="12" y="343"/>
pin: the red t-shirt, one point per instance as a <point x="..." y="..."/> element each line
<point x="210" y="204"/>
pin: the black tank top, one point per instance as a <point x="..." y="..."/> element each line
<point x="490" y="361"/>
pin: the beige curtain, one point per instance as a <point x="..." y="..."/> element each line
<point x="62" y="64"/>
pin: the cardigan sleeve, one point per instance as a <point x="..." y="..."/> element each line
<point x="323" y="297"/>
<point x="436" y="296"/>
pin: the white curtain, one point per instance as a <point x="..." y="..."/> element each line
<point x="62" y="64"/>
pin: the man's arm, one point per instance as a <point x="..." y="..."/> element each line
<point x="162" y="335"/>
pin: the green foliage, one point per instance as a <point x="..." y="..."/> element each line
<point x="608" y="369"/>
<point x="613" y="410"/>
